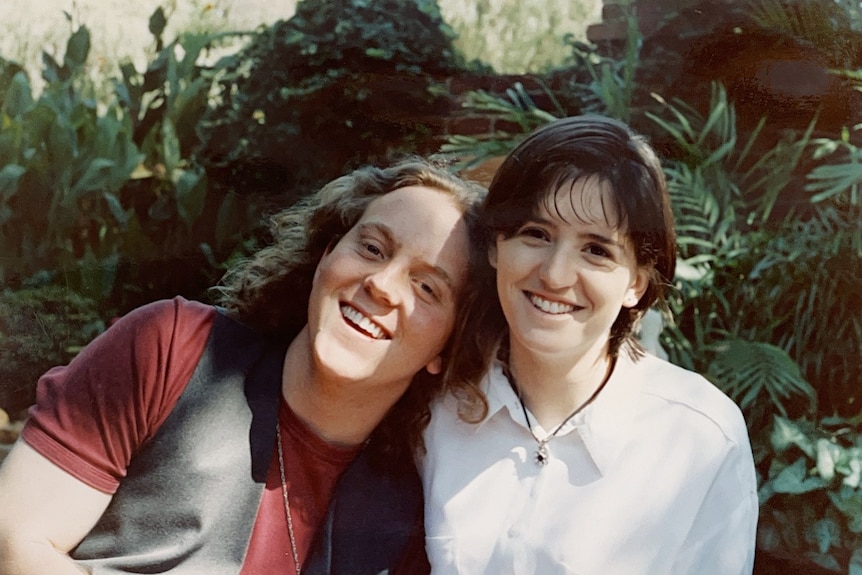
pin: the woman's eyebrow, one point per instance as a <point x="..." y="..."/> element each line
<point x="603" y="239"/>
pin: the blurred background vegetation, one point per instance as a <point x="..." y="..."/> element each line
<point x="141" y="148"/>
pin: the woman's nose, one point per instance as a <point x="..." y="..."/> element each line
<point x="559" y="270"/>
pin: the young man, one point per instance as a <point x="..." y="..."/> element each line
<point x="193" y="440"/>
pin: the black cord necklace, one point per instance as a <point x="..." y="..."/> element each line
<point x="543" y="452"/>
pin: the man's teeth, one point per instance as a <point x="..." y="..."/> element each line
<point x="550" y="306"/>
<point x="362" y="322"/>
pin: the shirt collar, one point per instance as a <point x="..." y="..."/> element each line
<point x="500" y="394"/>
<point x="604" y="426"/>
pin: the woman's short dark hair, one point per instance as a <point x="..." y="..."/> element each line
<point x="270" y="290"/>
<point x="560" y="153"/>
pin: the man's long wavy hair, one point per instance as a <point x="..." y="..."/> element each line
<point x="270" y="290"/>
<point x="561" y="153"/>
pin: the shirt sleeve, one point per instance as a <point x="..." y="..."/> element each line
<point x="93" y="414"/>
<point x="722" y="538"/>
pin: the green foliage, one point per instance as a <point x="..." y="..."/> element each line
<point x="751" y="369"/>
<point x="811" y="501"/>
<point x="167" y="102"/>
<point x="836" y="185"/>
<point x="40" y="328"/>
<point x="825" y="25"/>
<point x="749" y="274"/>
<point x="102" y="196"/>
<point x="64" y="163"/>
<point x="517" y="109"/>
<point x="332" y="87"/>
<point x="611" y="87"/>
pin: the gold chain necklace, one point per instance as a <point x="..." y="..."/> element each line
<point x="286" y="502"/>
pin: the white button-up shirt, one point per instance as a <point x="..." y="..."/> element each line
<point x="655" y="477"/>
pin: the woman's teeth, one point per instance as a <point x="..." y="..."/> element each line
<point x="551" y="307"/>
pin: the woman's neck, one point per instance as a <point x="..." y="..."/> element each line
<point x="552" y="387"/>
<point x="340" y="411"/>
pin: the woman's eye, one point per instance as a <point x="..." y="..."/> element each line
<point x="598" y="250"/>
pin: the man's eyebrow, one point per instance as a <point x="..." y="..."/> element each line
<point x="444" y="275"/>
<point x="382" y="229"/>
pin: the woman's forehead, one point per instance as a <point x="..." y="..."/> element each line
<point x="588" y="199"/>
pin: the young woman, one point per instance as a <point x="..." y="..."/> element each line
<point x="588" y="456"/>
<point x="274" y="435"/>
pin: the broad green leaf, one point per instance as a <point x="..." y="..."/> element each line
<point x="849" y="503"/>
<point x="826" y="532"/>
<point x="116" y="208"/>
<point x="828" y="455"/>
<point x="170" y="147"/>
<point x="95" y="178"/>
<point x="824" y="560"/>
<point x="786" y="433"/>
<point x="19" y="96"/>
<point x="158" y="22"/>
<point x="855" y="566"/>
<point x="191" y="188"/>
<point x="9" y="176"/>
<point x="77" y="48"/>
<point x="794" y="479"/>
<point x="854" y="466"/>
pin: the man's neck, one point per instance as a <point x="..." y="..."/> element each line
<point x="340" y="411"/>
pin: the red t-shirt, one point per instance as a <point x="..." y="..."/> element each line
<point x="92" y="415"/>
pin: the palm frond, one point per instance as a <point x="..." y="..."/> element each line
<point x="516" y="108"/>
<point x="750" y="371"/>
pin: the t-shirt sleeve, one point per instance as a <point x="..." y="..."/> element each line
<point x="93" y="414"/>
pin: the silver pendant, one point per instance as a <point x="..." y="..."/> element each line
<point x="543" y="455"/>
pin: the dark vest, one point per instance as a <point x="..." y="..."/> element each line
<point x="191" y="495"/>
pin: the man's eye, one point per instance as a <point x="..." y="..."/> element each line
<point x="372" y="249"/>
<point x="428" y="289"/>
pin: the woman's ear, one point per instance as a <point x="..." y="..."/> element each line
<point x="435" y="366"/>
<point x="492" y="255"/>
<point x="638" y="287"/>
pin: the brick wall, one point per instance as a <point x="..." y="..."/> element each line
<point x="613" y="28"/>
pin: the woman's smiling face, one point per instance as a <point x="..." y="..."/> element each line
<point x="565" y="273"/>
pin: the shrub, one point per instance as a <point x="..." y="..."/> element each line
<point x="340" y="83"/>
<point x="811" y="501"/>
<point x="40" y="328"/>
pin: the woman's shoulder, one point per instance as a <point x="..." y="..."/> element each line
<point x="684" y="389"/>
